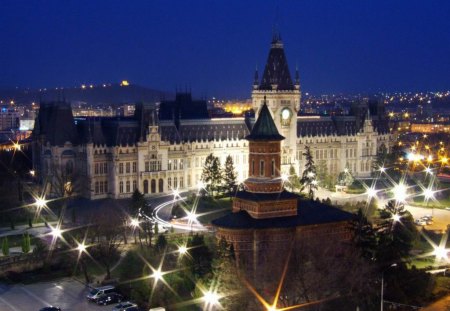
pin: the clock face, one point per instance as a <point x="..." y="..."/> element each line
<point x="285" y="114"/>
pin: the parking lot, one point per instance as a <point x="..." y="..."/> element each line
<point x="68" y="294"/>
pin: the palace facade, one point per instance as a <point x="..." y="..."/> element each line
<point x="164" y="148"/>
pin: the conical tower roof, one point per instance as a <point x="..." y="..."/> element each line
<point x="264" y="128"/>
<point x="276" y="71"/>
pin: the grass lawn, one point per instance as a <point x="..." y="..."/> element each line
<point x="210" y="208"/>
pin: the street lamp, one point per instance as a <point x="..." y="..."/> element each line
<point x="382" y="284"/>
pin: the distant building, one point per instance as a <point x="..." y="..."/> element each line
<point x="9" y="119"/>
<point x="430" y="127"/>
<point x="156" y="151"/>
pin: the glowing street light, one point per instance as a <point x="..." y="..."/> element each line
<point x="211" y="298"/>
<point x="134" y="222"/>
<point x="32" y="173"/>
<point x="428" y="171"/>
<point x="382" y="169"/>
<point x="81" y="247"/>
<point x="191" y="216"/>
<point x="396" y="217"/>
<point x="440" y="253"/>
<point x="399" y="192"/>
<point x="444" y="160"/>
<point x="40" y="202"/>
<point x="284" y="177"/>
<point x="201" y="185"/>
<point x="428" y="194"/>
<point x="157" y="274"/>
<point x="176" y="193"/>
<point x="310" y="175"/>
<point x="182" y="250"/>
<point x="56" y="232"/>
<point x="371" y="192"/>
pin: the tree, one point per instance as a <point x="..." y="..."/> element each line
<point x="380" y="161"/>
<point x="346" y="178"/>
<point x="200" y="257"/>
<point x="107" y="237"/>
<point x="26" y="243"/>
<point x="5" y="246"/>
<point x="396" y="233"/>
<point x="211" y="174"/>
<point x="308" y="179"/>
<point x="294" y="181"/>
<point x="364" y="236"/>
<point x="137" y="203"/>
<point x="161" y="243"/>
<point x="229" y="176"/>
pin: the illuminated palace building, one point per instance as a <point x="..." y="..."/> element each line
<point x="157" y="150"/>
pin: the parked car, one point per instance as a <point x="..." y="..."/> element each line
<point x="107" y="299"/>
<point x="420" y="222"/>
<point x="50" y="309"/>
<point x="97" y="292"/>
<point x="126" y="306"/>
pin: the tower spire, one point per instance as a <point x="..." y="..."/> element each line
<point x="256" y="78"/>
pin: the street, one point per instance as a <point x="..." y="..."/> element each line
<point x="68" y="294"/>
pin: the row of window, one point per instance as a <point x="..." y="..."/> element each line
<point x="101" y="168"/>
<point x="127" y="188"/>
<point x="175" y="184"/>
<point x="127" y="167"/>
<point x="262" y="168"/>
<point x="153" y="166"/>
<point x="101" y="187"/>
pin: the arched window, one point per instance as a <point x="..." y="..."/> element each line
<point x="261" y="168"/>
<point x="96" y="187"/>
<point x="121" y="187"/>
<point x="128" y="186"/>
<point x="181" y="182"/>
<point x="253" y="167"/>
<point x="169" y="182"/>
<point x="161" y="185"/>
<point x="134" y="185"/>
<point x="175" y="182"/>
<point x="153" y="185"/>
<point x="69" y="167"/>
<point x="145" y="186"/>
<point x="273" y="167"/>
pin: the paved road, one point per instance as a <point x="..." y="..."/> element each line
<point x="68" y="294"/>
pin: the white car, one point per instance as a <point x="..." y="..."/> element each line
<point x="420" y="222"/>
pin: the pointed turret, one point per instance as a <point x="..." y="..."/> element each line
<point x="256" y="79"/>
<point x="264" y="128"/>
<point x="297" y="78"/>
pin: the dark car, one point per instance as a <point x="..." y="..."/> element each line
<point x="106" y="299"/>
<point x="50" y="309"/>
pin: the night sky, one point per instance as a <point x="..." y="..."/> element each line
<point x="213" y="46"/>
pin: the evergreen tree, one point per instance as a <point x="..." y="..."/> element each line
<point x="322" y="173"/>
<point x="200" y="258"/>
<point x="156" y="228"/>
<point x="396" y="233"/>
<point x="26" y="243"/>
<point x="229" y="176"/>
<point x="5" y="246"/>
<point x="211" y="174"/>
<point x="294" y="181"/>
<point x="137" y="203"/>
<point x="161" y="243"/>
<point x="346" y="177"/>
<point x="364" y="235"/>
<point x="308" y="179"/>
<point x="380" y="161"/>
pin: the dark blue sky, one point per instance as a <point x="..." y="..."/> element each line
<point x="213" y="46"/>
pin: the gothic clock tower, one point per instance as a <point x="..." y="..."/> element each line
<point x="282" y="97"/>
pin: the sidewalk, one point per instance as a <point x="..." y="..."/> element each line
<point x="37" y="229"/>
<point x="440" y="305"/>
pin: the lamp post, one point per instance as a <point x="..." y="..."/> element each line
<point x="382" y="285"/>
